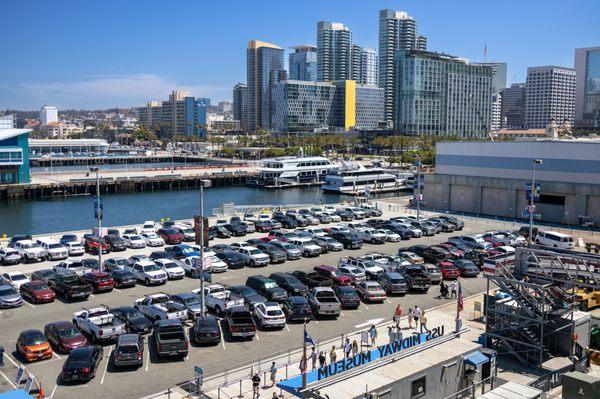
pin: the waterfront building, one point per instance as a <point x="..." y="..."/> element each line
<point x="587" y="92"/>
<point x="195" y="116"/>
<point x="512" y="114"/>
<point x="364" y="65"/>
<point x="14" y="154"/>
<point x="67" y="147"/>
<point x="263" y="62"/>
<point x="8" y="121"/>
<point x="325" y="106"/>
<point x="550" y="95"/>
<point x="397" y="31"/>
<point x="334" y="48"/>
<point x="303" y="63"/>
<point x="240" y="91"/>
<point x="180" y="114"/>
<point x="489" y="178"/>
<point x="440" y="94"/>
<point x="48" y="114"/>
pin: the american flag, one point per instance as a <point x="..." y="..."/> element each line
<point x="459" y="303"/>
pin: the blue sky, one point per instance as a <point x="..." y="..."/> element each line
<point x="103" y="53"/>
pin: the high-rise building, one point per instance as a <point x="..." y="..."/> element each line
<point x="150" y="115"/>
<point x="499" y="71"/>
<point x="263" y="59"/>
<point x="48" y="114"/>
<point x="195" y="116"/>
<point x="397" y="31"/>
<point x="550" y="95"/>
<point x="364" y="65"/>
<point x="240" y="92"/>
<point x="181" y="114"/>
<point x="174" y="113"/>
<point x="439" y="94"/>
<point x="224" y="106"/>
<point x="334" y="50"/>
<point x="303" y="63"/>
<point x="496" y="112"/>
<point x="512" y="115"/>
<point x="335" y="105"/>
<point x="8" y="121"/>
<point x="587" y="93"/>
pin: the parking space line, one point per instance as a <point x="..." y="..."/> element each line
<point x="54" y="390"/>
<point x="118" y="290"/>
<point x="7" y="379"/>
<point x="106" y="366"/>
<point x="222" y="336"/>
<point x="388" y="301"/>
<point x="147" y="349"/>
<point x="27" y="303"/>
<point x="287" y="328"/>
<point x="366" y="307"/>
<point x="316" y="321"/>
<point x="257" y="338"/>
<point x="12" y="361"/>
<point x="56" y="354"/>
<point x="92" y="296"/>
<point x="342" y="314"/>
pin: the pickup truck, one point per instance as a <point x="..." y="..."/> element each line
<point x="324" y="302"/>
<point x="218" y="299"/>
<point x="371" y="269"/>
<point x="240" y="322"/>
<point x="160" y="307"/>
<point x="170" y="338"/>
<point x="416" y="278"/>
<point x="69" y="266"/>
<point x="70" y="286"/>
<point x="99" y="324"/>
<point x="30" y="251"/>
<point x="312" y="279"/>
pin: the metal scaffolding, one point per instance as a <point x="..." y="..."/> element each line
<point x="536" y="301"/>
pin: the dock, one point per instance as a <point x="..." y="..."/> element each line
<point x="125" y="160"/>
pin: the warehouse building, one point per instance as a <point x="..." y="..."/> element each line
<point x="14" y="156"/>
<point x="489" y="178"/>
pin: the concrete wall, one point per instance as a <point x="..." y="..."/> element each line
<point x="506" y="197"/>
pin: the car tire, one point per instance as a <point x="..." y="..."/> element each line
<point x="252" y="264"/>
<point x="218" y="310"/>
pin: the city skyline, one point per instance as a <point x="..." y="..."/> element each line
<point x="81" y="64"/>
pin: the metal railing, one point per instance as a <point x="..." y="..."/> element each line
<point x="471" y="390"/>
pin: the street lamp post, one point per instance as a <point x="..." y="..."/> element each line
<point x="418" y="187"/>
<point x="98" y="215"/>
<point x="203" y="183"/>
<point x="531" y="196"/>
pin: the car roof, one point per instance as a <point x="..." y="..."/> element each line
<point x="61" y="324"/>
<point x="298" y="299"/>
<point x="30" y="332"/>
<point x="128" y="339"/>
<point x="163" y="322"/>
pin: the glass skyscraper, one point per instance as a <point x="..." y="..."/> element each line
<point x="334" y="50"/>
<point x="587" y="100"/>
<point x="303" y="63"/>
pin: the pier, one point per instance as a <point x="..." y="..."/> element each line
<point x="127" y="159"/>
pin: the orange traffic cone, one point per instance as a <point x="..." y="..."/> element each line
<point x="40" y="391"/>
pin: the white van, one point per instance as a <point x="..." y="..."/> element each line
<point x="554" y="240"/>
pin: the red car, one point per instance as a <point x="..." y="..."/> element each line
<point x="457" y="253"/>
<point x="64" y="336"/>
<point x="449" y="271"/>
<point x="100" y="281"/>
<point x="171" y="236"/>
<point x="37" y="291"/>
<point x="332" y="273"/>
<point x="93" y="244"/>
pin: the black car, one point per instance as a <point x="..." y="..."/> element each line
<point x="161" y="255"/>
<point x="219" y="231"/>
<point x="251" y="297"/>
<point x="296" y="308"/>
<point x="289" y="283"/>
<point x="134" y="320"/>
<point x="276" y="254"/>
<point x="348" y="240"/>
<point x="43" y="275"/>
<point x="466" y="267"/>
<point x="205" y="330"/>
<point x="399" y="229"/>
<point x="263" y="226"/>
<point x="345" y="215"/>
<point x="234" y="259"/>
<point x="237" y="229"/>
<point x="20" y="237"/>
<point x="67" y="238"/>
<point x="82" y="363"/>
<point x="123" y="278"/>
<point x="91" y="263"/>
<point x="115" y="243"/>
<point x="267" y="287"/>
<point x="429" y="254"/>
<point x="113" y="232"/>
<point x="348" y="296"/>
<point x="287" y="222"/>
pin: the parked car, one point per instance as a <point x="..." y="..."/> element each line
<point x="250" y="296"/>
<point x="9" y="297"/>
<point x="333" y="273"/>
<point x="466" y="268"/>
<point x="170" y="339"/>
<point x="324" y="302"/>
<point x="134" y="320"/>
<point x="67" y="238"/>
<point x="416" y="278"/>
<point x="29" y="251"/>
<point x="449" y="271"/>
<point x="233" y="259"/>
<point x="160" y="307"/>
<point x="70" y="287"/>
<point x="82" y="364"/>
<point x="9" y="256"/>
<point x="149" y="273"/>
<point x="16" y="279"/>
<point x="236" y="229"/>
<point x="129" y="351"/>
<point x="348" y="240"/>
<point x="257" y="257"/>
<point x="554" y="239"/>
<point x="98" y="324"/>
<point x="313" y="279"/>
<point x="393" y="283"/>
<point x="43" y="275"/>
<point x="458" y="224"/>
<point x="94" y="244"/>
<point x="269" y="315"/>
<point x="75" y="248"/>
<point x="472" y="242"/>
<point x="276" y="254"/>
<point x="171" y="267"/>
<point x="296" y="308"/>
<point x="32" y="345"/>
<point x="240" y="322"/>
<point x="267" y="287"/>
<point x="191" y="303"/>
<point x="371" y="291"/>
<point x="115" y="243"/>
<point x="115" y="264"/>
<point x="292" y="252"/>
<point x="170" y="236"/>
<point x="348" y="296"/>
<point x="289" y="283"/>
<point x="205" y="330"/>
<point x="328" y="244"/>
<point x="64" y="336"/>
<point x="37" y="292"/>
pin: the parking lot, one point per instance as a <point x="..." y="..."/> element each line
<point x="157" y="374"/>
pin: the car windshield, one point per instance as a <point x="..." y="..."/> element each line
<point x="35" y="339"/>
<point x="288" y="246"/>
<point x="7" y="290"/>
<point x="69" y="332"/>
<point x="18" y="277"/>
<point x="170" y="265"/>
<point x="128" y="349"/>
<point x="270" y="284"/>
<point x="54" y="246"/>
<point x="187" y="231"/>
<point x="254" y="252"/>
<point x="207" y="323"/>
<point x="152" y="236"/>
<point x="187" y="250"/>
<point x="160" y="299"/>
<point x="151" y="268"/>
<point x="39" y="286"/>
<point x="346" y="291"/>
<point x="274" y="312"/>
<point x="134" y="315"/>
<point x="191" y="301"/>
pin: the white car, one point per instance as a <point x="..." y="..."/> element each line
<point x="335" y="218"/>
<point x="30" y="251"/>
<point x="173" y="270"/>
<point x="134" y="241"/>
<point x="152" y="239"/>
<point x="70" y="266"/>
<point x="160" y="307"/>
<point x="390" y="236"/>
<point x="257" y="257"/>
<point x="16" y="279"/>
<point x="149" y="227"/>
<point x="148" y="272"/>
<point x="264" y="217"/>
<point x="412" y="257"/>
<point x="216" y="264"/>
<point x="240" y="244"/>
<point x="54" y="249"/>
<point x="9" y="256"/>
<point x="269" y="314"/>
<point x="354" y="273"/>
<point x="316" y="232"/>
<point x="75" y="248"/>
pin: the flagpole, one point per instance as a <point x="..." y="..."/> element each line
<point x="303" y="362"/>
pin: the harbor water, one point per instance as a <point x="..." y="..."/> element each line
<point x="76" y="213"/>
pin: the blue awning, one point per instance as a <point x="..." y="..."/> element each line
<point x="476" y="358"/>
<point x="16" y="394"/>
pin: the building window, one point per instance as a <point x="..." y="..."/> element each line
<point x="417" y="388"/>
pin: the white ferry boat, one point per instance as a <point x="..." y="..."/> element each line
<point x="356" y="179"/>
<point x="291" y="171"/>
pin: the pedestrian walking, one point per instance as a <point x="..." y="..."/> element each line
<point x="347" y="348"/>
<point x="255" y="386"/>
<point x="453" y="289"/>
<point x="332" y="355"/>
<point x="410" y="318"/>
<point x="273" y="374"/>
<point x="424" y="322"/>
<point x="416" y="316"/>
<point x="397" y="315"/>
<point x="354" y="348"/>
<point x="302" y="365"/>
<point x="313" y="358"/>
<point x="391" y="335"/>
<point x="373" y="334"/>
<point x="322" y="360"/>
<point x="443" y="289"/>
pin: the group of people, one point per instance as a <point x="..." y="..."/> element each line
<point x="256" y="382"/>
<point x="415" y="315"/>
<point x="446" y="290"/>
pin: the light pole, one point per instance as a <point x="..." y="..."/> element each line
<point x="99" y="215"/>
<point x="418" y="187"/>
<point x="531" y="196"/>
<point x="203" y="183"/>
